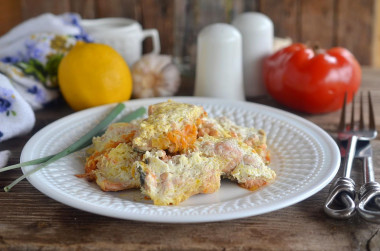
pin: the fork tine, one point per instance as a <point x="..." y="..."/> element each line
<point x="371" y="113"/>
<point x="342" y="122"/>
<point x="352" y="113"/>
<point x="361" y="120"/>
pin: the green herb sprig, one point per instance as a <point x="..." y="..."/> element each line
<point x="81" y="143"/>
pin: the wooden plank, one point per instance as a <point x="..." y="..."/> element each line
<point x="186" y="30"/>
<point x="192" y="16"/>
<point x="29" y="220"/>
<point x="285" y="17"/>
<point x="375" y="60"/>
<point x="119" y="8"/>
<point x="10" y="15"/>
<point x="252" y="5"/>
<point x="36" y="7"/>
<point x="85" y="8"/>
<point x="181" y="32"/>
<point x="317" y="22"/>
<point x="354" y="28"/>
<point x="159" y="15"/>
<point x="351" y="24"/>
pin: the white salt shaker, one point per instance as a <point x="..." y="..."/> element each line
<point x="219" y="71"/>
<point x="257" y="34"/>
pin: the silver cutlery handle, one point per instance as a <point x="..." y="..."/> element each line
<point x="369" y="194"/>
<point x="368" y="173"/>
<point x="340" y="203"/>
<point x="348" y="161"/>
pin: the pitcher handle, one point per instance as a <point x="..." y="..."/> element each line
<point x="155" y="38"/>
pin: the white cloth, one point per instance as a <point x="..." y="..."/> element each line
<point x="29" y="57"/>
<point x="4" y="156"/>
<point x="44" y="23"/>
<point x="13" y="40"/>
<point x="30" y="54"/>
<point x="16" y="115"/>
<point x="34" y="73"/>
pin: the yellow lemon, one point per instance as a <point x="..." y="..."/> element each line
<point x="94" y="74"/>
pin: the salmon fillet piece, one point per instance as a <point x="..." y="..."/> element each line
<point x="169" y="182"/>
<point x="238" y="161"/>
<point x="170" y="126"/>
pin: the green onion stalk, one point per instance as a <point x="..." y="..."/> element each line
<point x="81" y="143"/>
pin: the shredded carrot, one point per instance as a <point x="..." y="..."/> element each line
<point x="267" y="157"/>
<point x="184" y="139"/>
<point x="90" y="166"/>
<point x="125" y="138"/>
<point x="92" y="161"/>
<point x="111" y="144"/>
<point x="128" y="138"/>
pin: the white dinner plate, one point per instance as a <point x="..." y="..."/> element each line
<point x="304" y="157"/>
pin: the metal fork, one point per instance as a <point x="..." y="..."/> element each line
<point x="341" y="200"/>
<point x="369" y="193"/>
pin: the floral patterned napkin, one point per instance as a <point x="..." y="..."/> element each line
<point x="16" y="115"/>
<point x="29" y="57"/>
<point x="31" y="52"/>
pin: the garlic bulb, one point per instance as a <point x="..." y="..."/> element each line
<point x="155" y="76"/>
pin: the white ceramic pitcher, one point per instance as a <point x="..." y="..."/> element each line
<point x="123" y="34"/>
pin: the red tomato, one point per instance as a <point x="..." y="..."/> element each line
<point x="311" y="82"/>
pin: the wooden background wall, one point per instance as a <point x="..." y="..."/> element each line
<point x="349" y="23"/>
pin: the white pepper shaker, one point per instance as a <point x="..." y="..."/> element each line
<point x="257" y="34"/>
<point x="219" y="71"/>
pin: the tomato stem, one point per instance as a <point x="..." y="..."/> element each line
<point x="317" y="49"/>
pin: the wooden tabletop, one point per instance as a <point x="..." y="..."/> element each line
<point x="29" y="220"/>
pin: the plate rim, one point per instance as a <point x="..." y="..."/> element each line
<point x="88" y="207"/>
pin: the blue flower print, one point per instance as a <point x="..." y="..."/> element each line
<point x="1" y="134"/>
<point x="10" y="59"/>
<point x="5" y="105"/>
<point x="38" y="92"/>
<point x="34" y="50"/>
<point x="74" y="20"/>
<point x="6" y="99"/>
<point x="70" y="19"/>
<point x="33" y="90"/>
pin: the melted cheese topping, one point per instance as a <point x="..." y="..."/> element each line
<point x="115" y="170"/>
<point x="168" y="123"/>
<point x="171" y="182"/>
<point x="177" y="152"/>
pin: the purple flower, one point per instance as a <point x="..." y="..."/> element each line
<point x="74" y="20"/>
<point x="33" y="90"/>
<point x="5" y="105"/>
<point x="10" y="59"/>
<point x="33" y="50"/>
<point x="6" y="98"/>
<point x="38" y="92"/>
